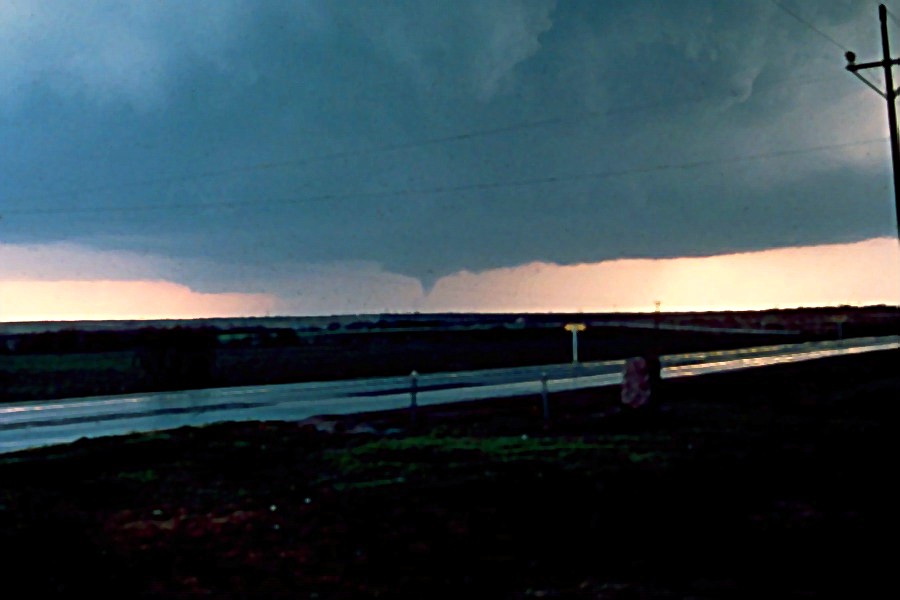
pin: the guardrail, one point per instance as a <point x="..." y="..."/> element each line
<point x="33" y="424"/>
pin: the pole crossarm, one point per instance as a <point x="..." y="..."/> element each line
<point x="854" y="67"/>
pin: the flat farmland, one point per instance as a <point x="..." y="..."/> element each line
<point x="46" y="376"/>
<point x="398" y="353"/>
<point x="86" y="359"/>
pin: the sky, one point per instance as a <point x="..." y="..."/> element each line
<point x="252" y="157"/>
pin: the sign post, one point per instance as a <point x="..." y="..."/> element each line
<point x="839" y="321"/>
<point x="575" y="328"/>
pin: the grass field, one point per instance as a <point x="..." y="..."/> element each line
<point x="45" y="376"/>
<point x="767" y="483"/>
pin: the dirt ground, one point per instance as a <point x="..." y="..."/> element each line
<point x="769" y="483"/>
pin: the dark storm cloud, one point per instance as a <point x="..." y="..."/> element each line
<point x="184" y="132"/>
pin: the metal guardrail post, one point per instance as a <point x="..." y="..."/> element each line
<point x="544" y="397"/>
<point x="413" y="392"/>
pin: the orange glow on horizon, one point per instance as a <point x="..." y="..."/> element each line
<point x="862" y="273"/>
<point x="120" y="300"/>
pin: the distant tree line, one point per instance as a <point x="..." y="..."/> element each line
<point x="74" y="341"/>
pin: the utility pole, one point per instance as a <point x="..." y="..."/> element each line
<point x="887" y="63"/>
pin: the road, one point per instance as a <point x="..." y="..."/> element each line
<point x="32" y="424"/>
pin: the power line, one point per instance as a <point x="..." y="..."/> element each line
<point x="810" y="25"/>
<point x="411" y="145"/>
<point x="536" y="181"/>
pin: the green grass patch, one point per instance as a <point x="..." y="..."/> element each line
<point x="430" y="457"/>
<point x="141" y="476"/>
<point x="52" y="363"/>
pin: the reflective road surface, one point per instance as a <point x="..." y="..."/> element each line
<point x="31" y="424"/>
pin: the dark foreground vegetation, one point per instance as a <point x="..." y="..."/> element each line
<point x="770" y="483"/>
<point x="97" y="359"/>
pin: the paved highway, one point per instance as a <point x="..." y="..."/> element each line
<point x="26" y="425"/>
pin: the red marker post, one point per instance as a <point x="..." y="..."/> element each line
<point x="636" y="382"/>
<point x="641" y="381"/>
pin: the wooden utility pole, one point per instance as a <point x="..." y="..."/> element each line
<point x="890" y="95"/>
